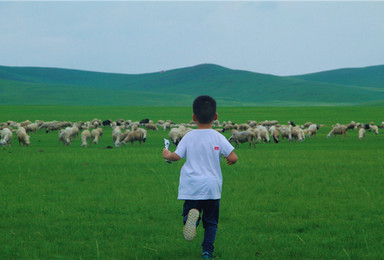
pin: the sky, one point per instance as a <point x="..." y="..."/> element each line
<point x="279" y="38"/>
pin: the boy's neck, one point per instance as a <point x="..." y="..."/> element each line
<point x="204" y="126"/>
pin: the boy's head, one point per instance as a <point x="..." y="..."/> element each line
<point x="204" y="109"/>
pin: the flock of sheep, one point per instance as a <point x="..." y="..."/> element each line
<point x="125" y="131"/>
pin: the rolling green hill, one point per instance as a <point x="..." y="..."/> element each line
<point x="54" y="86"/>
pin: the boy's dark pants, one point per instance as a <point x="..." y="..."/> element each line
<point x="210" y="209"/>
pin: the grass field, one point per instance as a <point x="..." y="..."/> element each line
<point x="319" y="199"/>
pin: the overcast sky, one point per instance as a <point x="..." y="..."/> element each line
<point x="280" y="38"/>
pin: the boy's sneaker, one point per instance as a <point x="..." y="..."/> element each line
<point x="206" y="255"/>
<point x="189" y="230"/>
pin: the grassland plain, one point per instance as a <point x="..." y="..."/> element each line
<point x="319" y="199"/>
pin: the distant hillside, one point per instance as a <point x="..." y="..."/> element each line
<point x="365" y="77"/>
<point x="54" y="86"/>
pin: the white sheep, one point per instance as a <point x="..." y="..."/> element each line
<point x="160" y="122"/>
<point x="25" y="123"/>
<point x="338" y="130"/>
<point x="151" y="126"/>
<point x="74" y="131"/>
<point x="361" y="132"/>
<point x="135" y="126"/>
<point x="32" y="127"/>
<point x="167" y="125"/>
<point x="96" y="135"/>
<point x="312" y="130"/>
<point x="65" y="137"/>
<point x="133" y="136"/>
<point x="116" y="134"/>
<point x="22" y="136"/>
<point x="286" y="132"/>
<point x="243" y="127"/>
<point x="242" y="137"/>
<point x="176" y="134"/>
<point x="252" y="123"/>
<point x="124" y="135"/>
<point x="261" y="134"/>
<point x="274" y="133"/>
<point x="85" y="136"/>
<point x="298" y="133"/>
<point x="375" y="128"/>
<point x="6" y="137"/>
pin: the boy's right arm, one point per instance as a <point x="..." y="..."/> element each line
<point x="167" y="155"/>
<point x="231" y="158"/>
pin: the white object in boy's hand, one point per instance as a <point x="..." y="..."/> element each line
<point x="166" y="145"/>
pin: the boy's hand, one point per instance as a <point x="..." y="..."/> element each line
<point x="166" y="154"/>
<point x="232" y="158"/>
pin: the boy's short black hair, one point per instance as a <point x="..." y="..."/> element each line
<point x="204" y="109"/>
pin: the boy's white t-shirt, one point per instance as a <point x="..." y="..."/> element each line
<point x="200" y="176"/>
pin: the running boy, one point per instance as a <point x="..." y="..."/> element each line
<point x="200" y="177"/>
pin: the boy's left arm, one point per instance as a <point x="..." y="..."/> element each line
<point x="167" y="155"/>
<point x="231" y="158"/>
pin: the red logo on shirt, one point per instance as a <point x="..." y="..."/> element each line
<point x="216" y="148"/>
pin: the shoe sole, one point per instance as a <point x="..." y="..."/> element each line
<point x="189" y="230"/>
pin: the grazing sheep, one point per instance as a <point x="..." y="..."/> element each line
<point x="125" y="134"/>
<point x="144" y="121"/>
<point x="351" y="125"/>
<point x="252" y="123"/>
<point x="135" y="126"/>
<point x="106" y="122"/>
<point x="95" y="135"/>
<point x="285" y="132"/>
<point x="312" y="130"/>
<point x="374" y="128"/>
<point x="25" y="123"/>
<point x="167" y="125"/>
<point x="243" y="127"/>
<point x="116" y="134"/>
<point x="22" y="136"/>
<point x="95" y="123"/>
<point x="133" y="136"/>
<point x="274" y="133"/>
<point x="6" y="137"/>
<point x="150" y="126"/>
<point x="74" y="131"/>
<point x="307" y="124"/>
<point x="263" y="134"/>
<point x="85" y="136"/>
<point x="54" y="125"/>
<point x="176" y="134"/>
<point x="228" y="127"/>
<point x="338" y="130"/>
<point x="65" y="137"/>
<point x="266" y="123"/>
<point x="242" y="137"/>
<point x="361" y="132"/>
<point x="160" y="122"/>
<point x="298" y="133"/>
<point x="120" y="122"/>
<point x="31" y="128"/>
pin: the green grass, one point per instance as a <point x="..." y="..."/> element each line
<point x="320" y="199"/>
